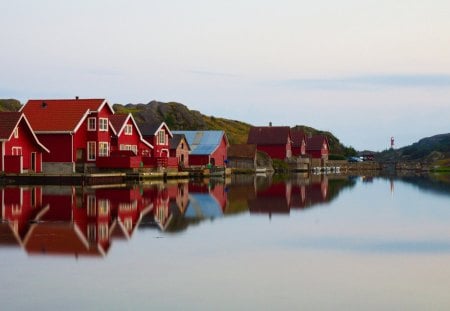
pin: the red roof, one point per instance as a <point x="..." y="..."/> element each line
<point x="59" y="115"/>
<point x="297" y="136"/>
<point x="316" y="142"/>
<point x="118" y="121"/>
<point x="242" y="151"/>
<point x="8" y="122"/>
<point x="268" y="135"/>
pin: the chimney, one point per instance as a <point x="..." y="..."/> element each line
<point x="270" y="123"/>
<point x="76" y="97"/>
<point x="43" y="105"/>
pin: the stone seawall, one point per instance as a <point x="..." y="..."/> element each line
<point x="345" y="166"/>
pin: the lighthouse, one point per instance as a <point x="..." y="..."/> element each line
<point x="392" y="142"/>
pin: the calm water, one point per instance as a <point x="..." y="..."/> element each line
<point x="312" y="243"/>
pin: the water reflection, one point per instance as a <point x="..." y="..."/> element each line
<point x="75" y="221"/>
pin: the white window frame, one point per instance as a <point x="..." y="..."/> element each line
<point x="161" y="137"/>
<point x="91" y="205"/>
<point x="91" y="156"/>
<point x="103" y="207"/>
<point x="102" y="152"/>
<point x="128" y="129"/>
<point x="16" y="151"/>
<point x="92" y="126"/>
<point x="16" y="132"/>
<point x="103" y="124"/>
<point x="103" y="232"/>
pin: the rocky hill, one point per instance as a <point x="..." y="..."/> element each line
<point x="9" y="105"/>
<point x="433" y="150"/>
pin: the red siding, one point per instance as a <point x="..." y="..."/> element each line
<point x="198" y="159"/>
<point x="220" y="154"/>
<point x="28" y="146"/>
<point x="274" y="151"/>
<point x="60" y="146"/>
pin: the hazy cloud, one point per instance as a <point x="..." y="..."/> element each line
<point x="372" y="81"/>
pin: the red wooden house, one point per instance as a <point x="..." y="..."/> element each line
<point x="207" y="147"/>
<point x="298" y="142"/>
<point x="158" y="135"/>
<point x="128" y="146"/>
<point x="276" y="141"/>
<point x="317" y="147"/>
<point x="76" y="131"/>
<point x="127" y="135"/>
<point x="20" y="149"/>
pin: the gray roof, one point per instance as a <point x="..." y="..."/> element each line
<point x="176" y="139"/>
<point x="202" y="142"/>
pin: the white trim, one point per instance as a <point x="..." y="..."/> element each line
<point x="87" y="150"/>
<point x="53" y="132"/>
<point x="3" y="156"/>
<point x="100" y="129"/>
<point x="130" y="132"/>
<point x="33" y="133"/>
<point x="99" y="148"/>
<point x="71" y="138"/>
<point x="137" y="131"/>
<point x="168" y="130"/>
<point x="89" y="129"/>
<point x="88" y="112"/>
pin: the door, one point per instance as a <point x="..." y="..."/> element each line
<point x="33" y="161"/>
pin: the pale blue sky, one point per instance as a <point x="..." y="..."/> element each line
<point x="365" y="70"/>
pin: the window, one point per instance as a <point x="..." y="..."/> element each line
<point x="16" y="132"/>
<point x="91" y="232"/>
<point x="16" y="150"/>
<point x="103" y="149"/>
<point x="92" y="125"/>
<point x="103" y="232"/>
<point x="103" y="207"/>
<point x="161" y="137"/>
<point x="91" y="150"/>
<point x="129" y="147"/>
<point x="103" y="124"/>
<point x="91" y="205"/>
<point x="128" y="223"/>
<point x="128" y="129"/>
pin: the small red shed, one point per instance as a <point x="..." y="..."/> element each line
<point x="179" y="148"/>
<point x="20" y="149"/>
<point x="298" y="142"/>
<point x="318" y="147"/>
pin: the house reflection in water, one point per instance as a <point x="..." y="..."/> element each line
<point x="74" y="221"/>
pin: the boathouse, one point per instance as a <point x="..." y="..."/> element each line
<point x="242" y="156"/>
<point x="317" y="147"/>
<point x="207" y="147"/>
<point x="298" y="142"/>
<point x="20" y="149"/>
<point x="274" y="140"/>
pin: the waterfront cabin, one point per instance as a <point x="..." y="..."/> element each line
<point x="298" y="143"/>
<point x="317" y="147"/>
<point x="274" y="140"/>
<point x="76" y="131"/>
<point x="128" y="147"/>
<point x="158" y="135"/>
<point x="179" y="148"/>
<point x="242" y="156"/>
<point x="20" y="149"/>
<point x="207" y="147"/>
